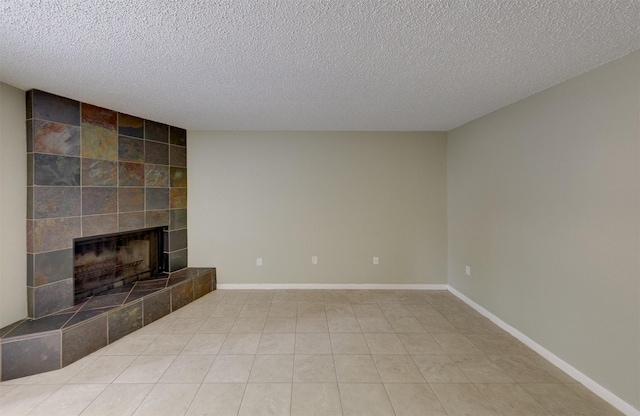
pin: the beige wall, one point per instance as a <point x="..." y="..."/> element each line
<point x="544" y="206"/>
<point x="13" y="199"/>
<point x="342" y="196"/>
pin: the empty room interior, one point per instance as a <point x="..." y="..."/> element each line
<point x="435" y="206"/>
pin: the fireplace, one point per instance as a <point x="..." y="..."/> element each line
<point x="106" y="262"/>
<point x="93" y="172"/>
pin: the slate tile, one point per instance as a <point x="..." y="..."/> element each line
<point x="56" y="138"/>
<point x="131" y="174"/>
<point x="56" y="201"/>
<point x="130" y="125"/>
<point x="96" y="172"/>
<point x="99" y="200"/>
<point x="130" y="149"/>
<point x="177" y="136"/>
<point x="46" y="106"/>
<point x="130" y="199"/>
<point x="156" y="131"/>
<point x="53" y="170"/>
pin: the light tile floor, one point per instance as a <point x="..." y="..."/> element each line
<point x="309" y="352"/>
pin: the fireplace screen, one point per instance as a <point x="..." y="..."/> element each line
<point x="106" y="262"/>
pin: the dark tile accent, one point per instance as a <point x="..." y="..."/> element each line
<point x="156" y="306"/>
<point x="96" y="172"/>
<point x="202" y="285"/>
<point x="182" y="274"/>
<point x="131" y="174"/>
<point x="156" y="131"/>
<point x="178" y="156"/>
<point x="178" y="198"/>
<point x="29" y="136"/>
<point x="177" y="260"/>
<point x="30" y="236"/>
<point x="103" y="301"/>
<point x="120" y="289"/>
<point x="150" y="284"/>
<point x="130" y="149"/>
<point x="55" y="108"/>
<point x="99" y="224"/>
<point x="173" y="281"/>
<point x="85" y="315"/>
<point x="99" y="142"/>
<point x="130" y="125"/>
<point x="165" y="262"/>
<point x="98" y="116"/>
<point x="56" y="170"/>
<point x="96" y="200"/>
<point x="4" y="331"/>
<point x="178" y="177"/>
<point x="75" y="308"/>
<point x="52" y="266"/>
<point x="30" y="169"/>
<point x="60" y="139"/>
<point x="130" y="199"/>
<point x="157" y="153"/>
<point x="130" y="221"/>
<point x="30" y="356"/>
<point x="178" y="136"/>
<point x="177" y="219"/>
<point x="29" y="202"/>
<point x="181" y="295"/>
<point x="56" y="201"/>
<point x="52" y="298"/>
<point x="165" y="241"/>
<point x="29" y="103"/>
<point x="31" y="302"/>
<point x="30" y="270"/>
<point x="52" y="233"/>
<point x="177" y="240"/>
<point x="35" y="326"/>
<point x="124" y="321"/>
<point x="133" y="296"/>
<point x="157" y="218"/>
<point x="157" y="198"/>
<point x="156" y="176"/>
<point x="83" y="339"/>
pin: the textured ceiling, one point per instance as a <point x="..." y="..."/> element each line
<point x="305" y="64"/>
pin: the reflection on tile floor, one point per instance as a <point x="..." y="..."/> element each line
<point x="309" y="352"/>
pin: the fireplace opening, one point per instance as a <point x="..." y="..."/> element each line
<point x="106" y="262"/>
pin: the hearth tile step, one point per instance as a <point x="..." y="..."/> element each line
<point x="33" y="346"/>
<point x="30" y="327"/>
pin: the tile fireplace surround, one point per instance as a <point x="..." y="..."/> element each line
<point x="93" y="171"/>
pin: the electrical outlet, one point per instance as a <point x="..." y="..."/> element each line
<point x="314" y="259"/>
<point x="259" y="261"/>
<point x="467" y="270"/>
<point x="376" y="260"/>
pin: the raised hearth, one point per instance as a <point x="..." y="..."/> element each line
<point x="33" y="346"/>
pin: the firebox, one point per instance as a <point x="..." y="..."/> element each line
<point x="105" y="262"/>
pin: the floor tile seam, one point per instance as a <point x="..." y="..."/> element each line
<point x="428" y="386"/>
<point x="517" y="384"/>
<point x="44" y="399"/>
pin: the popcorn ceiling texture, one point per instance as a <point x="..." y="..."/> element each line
<point x="309" y="65"/>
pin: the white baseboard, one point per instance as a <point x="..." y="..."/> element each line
<point x="330" y="286"/>
<point x="605" y="394"/>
